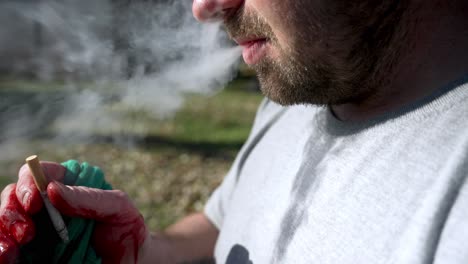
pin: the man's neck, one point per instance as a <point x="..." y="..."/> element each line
<point x="438" y="56"/>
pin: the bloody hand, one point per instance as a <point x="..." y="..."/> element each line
<point x="119" y="233"/>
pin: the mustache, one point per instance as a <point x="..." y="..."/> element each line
<point x="247" y="24"/>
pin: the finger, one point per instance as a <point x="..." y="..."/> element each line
<point x="13" y="218"/>
<point x="26" y="189"/>
<point x="9" y="251"/>
<point x="102" y="205"/>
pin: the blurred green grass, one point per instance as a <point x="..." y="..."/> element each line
<point x="220" y="118"/>
<point x="173" y="169"/>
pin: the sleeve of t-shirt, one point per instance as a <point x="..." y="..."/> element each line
<point x="218" y="203"/>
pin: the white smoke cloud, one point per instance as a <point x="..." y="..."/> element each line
<point x="142" y="56"/>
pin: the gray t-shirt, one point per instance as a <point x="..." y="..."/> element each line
<point x="308" y="188"/>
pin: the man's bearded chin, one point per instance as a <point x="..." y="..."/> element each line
<point x="292" y="77"/>
<point x="348" y="67"/>
<point x="287" y="81"/>
<point x="336" y="73"/>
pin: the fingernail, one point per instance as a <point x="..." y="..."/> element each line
<point x="58" y="185"/>
<point x="55" y="188"/>
<point x="26" y="201"/>
<point x="18" y="231"/>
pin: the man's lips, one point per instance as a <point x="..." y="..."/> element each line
<point x="247" y="40"/>
<point x="254" y="49"/>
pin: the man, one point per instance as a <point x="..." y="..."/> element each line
<point x="365" y="162"/>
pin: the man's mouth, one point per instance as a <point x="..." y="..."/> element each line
<point x="254" y="49"/>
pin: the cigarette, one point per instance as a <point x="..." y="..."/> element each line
<point x="41" y="184"/>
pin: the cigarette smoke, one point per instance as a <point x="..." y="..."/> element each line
<point x="112" y="56"/>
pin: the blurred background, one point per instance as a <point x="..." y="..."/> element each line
<point x="160" y="102"/>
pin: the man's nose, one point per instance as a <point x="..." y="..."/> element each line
<point x="204" y="10"/>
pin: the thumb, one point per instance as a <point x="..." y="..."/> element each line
<point x="102" y="205"/>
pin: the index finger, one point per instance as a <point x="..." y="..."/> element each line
<point x="26" y="191"/>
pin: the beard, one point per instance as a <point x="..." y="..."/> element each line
<point x="289" y="80"/>
<point x="355" y="56"/>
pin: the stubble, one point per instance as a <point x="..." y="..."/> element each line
<point x="359" y="47"/>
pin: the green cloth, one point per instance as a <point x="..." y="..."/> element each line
<point x="78" y="249"/>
